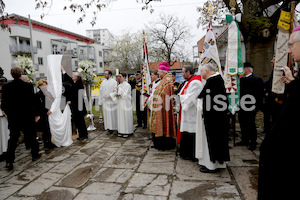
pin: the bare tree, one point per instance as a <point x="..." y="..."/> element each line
<point x="127" y="51"/>
<point x="168" y="36"/>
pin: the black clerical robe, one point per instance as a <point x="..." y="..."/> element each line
<point x="216" y="122"/>
<point x="279" y="152"/>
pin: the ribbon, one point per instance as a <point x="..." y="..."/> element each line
<point x="237" y="18"/>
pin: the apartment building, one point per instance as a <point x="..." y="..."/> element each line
<point x="46" y="40"/>
<point x="102" y="36"/>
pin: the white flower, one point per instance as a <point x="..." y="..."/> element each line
<point x="79" y="70"/>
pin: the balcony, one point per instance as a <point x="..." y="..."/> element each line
<point x="21" y="49"/>
<point x="84" y="56"/>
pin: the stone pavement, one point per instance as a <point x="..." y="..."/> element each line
<point x="109" y="167"/>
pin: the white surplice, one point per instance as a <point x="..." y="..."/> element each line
<point x="60" y="123"/>
<point x="202" y="151"/>
<point x="188" y="103"/>
<point x="4" y="133"/>
<point x="110" y="114"/>
<point x="125" y="115"/>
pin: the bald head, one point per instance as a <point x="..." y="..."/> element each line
<point x="294" y="45"/>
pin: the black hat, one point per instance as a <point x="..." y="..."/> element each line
<point x="247" y="64"/>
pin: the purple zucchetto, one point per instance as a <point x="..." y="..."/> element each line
<point x="164" y="66"/>
<point x="296" y="29"/>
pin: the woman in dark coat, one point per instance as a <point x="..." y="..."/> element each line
<point x="44" y="104"/>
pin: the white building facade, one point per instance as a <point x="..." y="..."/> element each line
<point x="102" y="36"/>
<point x="46" y="40"/>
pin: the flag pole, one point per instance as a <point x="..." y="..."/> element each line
<point x="293" y="5"/>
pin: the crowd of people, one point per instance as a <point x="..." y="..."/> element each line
<point x="192" y="116"/>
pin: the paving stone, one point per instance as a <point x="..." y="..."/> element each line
<point x="112" y="144"/>
<point x="113" y="175"/>
<point x="79" y="176"/>
<point x="131" y="151"/>
<point x="140" y="180"/>
<point x="203" y="190"/>
<point x="20" y="198"/>
<point x="246" y="178"/>
<point x="63" y="153"/>
<point x="90" y="148"/>
<point x="31" y="173"/>
<point x="102" y="155"/>
<point x="157" y="168"/>
<point x="138" y="142"/>
<point x="8" y="189"/>
<point x="102" y="189"/>
<point x="128" y="162"/>
<point x="142" y="197"/>
<point x="159" y="186"/>
<point x="67" y="165"/>
<point x="59" y="193"/>
<point x="188" y="170"/>
<point x="85" y="196"/>
<point x="154" y="156"/>
<point x="42" y="183"/>
<point x="243" y="161"/>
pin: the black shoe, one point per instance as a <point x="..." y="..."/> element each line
<point x="145" y="127"/>
<point x="37" y="157"/>
<point x="9" y="166"/>
<point x="82" y="138"/>
<point x="49" y="145"/>
<point x="139" y="125"/>
<point x="205" y="170"/>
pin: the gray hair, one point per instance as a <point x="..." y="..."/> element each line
<point x="189" y="68"/>
<point x="25" y="78"/>
<point x="77" y="74"/>
<point x="210" y="67"/>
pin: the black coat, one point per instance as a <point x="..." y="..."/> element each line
<point x="279" y="152"/>
<point x="44" y="105"/>
<point x="19" y="103"/>
<point x="254" y="86"/>
<point x="72" y="91"/>
<point x="216" y="122"/>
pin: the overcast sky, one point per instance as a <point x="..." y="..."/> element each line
<point x="121" y="15"/>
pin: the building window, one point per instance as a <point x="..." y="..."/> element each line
<point x="54" y="49"/>
<point x="100" y="64"/>
<point x="100" y="53"/>
<point x="40" y="61"/>
<point x="39" y="44"/>
<point x="42" y="74"/>
<point x="76" y="63"/>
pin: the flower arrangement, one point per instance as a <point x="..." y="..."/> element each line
<point x="87" y="70"/>
<point x="27" y="66"/>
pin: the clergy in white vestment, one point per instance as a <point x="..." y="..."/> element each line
<point x="4" y="134"/>
<point x="213" y="137"/>
<point x="154" y="83"/>
<point x="125" y="115"/>
<point x="106" y="101"/>
<point x="188" y="111"/>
